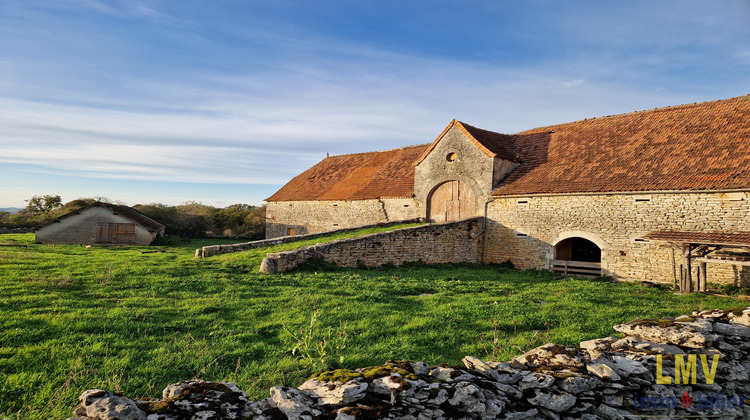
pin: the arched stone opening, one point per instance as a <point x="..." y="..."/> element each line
<point x="578" y="249"/>
<point x="579" y="256"/>
<point x="451" y="200"/>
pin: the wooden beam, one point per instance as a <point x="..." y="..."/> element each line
<point x="717" y="261"/>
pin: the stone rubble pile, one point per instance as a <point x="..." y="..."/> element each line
<point x="606" y="378"/>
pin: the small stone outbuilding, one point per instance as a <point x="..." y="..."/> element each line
<point x="637" y="196"/>
<point x="100" y="224"/>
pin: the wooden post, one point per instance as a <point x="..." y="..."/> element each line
<point x="698" y="278"/>
<point x="674" y="270"/>
<point x="686" y="280"/>
<point x="703" y="277"/>
<point x="683" y="274"/>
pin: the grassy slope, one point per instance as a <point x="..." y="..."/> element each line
<point x="73" y="318"/>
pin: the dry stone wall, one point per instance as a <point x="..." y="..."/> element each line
<point x="322" y="216"/>
<point x="436" y="243"/>
<point x="689" y="367"/>
<point x="525" y="230"/>
<point x="211" y="250"/>
<point x="4" y="231"/>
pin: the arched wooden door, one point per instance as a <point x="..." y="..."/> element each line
<point x="450" y="201"/>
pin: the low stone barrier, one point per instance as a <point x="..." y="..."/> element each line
<point x="208" y="251"/>
<point x="435" y="243"/>
<point x="4" y="231"/>
<point x="690" y="367"/>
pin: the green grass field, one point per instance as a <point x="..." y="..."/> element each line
<point x="73" y="318"/>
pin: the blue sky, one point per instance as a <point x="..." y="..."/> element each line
<point x="224" y="101"/>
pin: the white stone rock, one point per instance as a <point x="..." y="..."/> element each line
<point x="556" y="401"/>
<point x="535" y="380"/>
<point x="698" y="324"/>
<point x="420" y="368"/>
<point x="671" y="334"/>
<point x="577" y="385"/>
<point x="742" y="319"/>
<point x="293" y="403"/>
<point x="549" y="355"/>
<point x="449" y="374"/>
<point x="626" y="367"/>
<point x="101" y="404"/>
<point x="475" y="364"/>
<point x="602" y="371"/>
<point x="335" y="393"/>
<point x="441" y="397"/>
<point x="468" y="397"/>
<point x="650" y="346"/>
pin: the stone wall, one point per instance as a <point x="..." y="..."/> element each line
<point x="81" y="228"/>
<point x="307" y="217"/>
<point x="525" y="230"/>
<point x="211" y="250"/>
<point x="4" y="231"/>
<point x="472" y="167"/>
<point x="633" y="377"/>
<point x="436" y="243"/>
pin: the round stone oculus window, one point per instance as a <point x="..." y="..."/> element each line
<point x="452" y="156"/>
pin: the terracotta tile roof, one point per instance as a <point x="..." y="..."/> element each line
<point x="703" y="146"/>
<point x="500" y="145"/>
<point x="707" y="238"/>
<point x="491" y="143"/>
<point x="125" y="211"/>
<point x="358" y="176"/>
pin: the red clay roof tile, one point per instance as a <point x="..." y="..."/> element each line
<point x="358" y="176"/>
<point x="491" y="143"/>
<point x="703" y="146"/>
<point x="709" y="238"/>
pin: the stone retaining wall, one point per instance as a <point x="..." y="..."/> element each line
<point x="211" y="250"/>
<point x="15" y="230"/>
<point x="327" y="215"/>
<point x="435" y="243"/>
<point x="609" y="378"/>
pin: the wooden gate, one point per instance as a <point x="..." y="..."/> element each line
<point x="450" y="201"/>
<point x="115" y="233"/>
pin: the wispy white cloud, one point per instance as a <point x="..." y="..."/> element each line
<point x="572" y="83"/>
<point x="256" y="102"/>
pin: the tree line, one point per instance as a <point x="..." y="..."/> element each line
<point x="191" y="219"/>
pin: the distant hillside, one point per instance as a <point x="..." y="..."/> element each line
<point x="11" y="210"/>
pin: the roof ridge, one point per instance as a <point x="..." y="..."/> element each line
<point x="378" y="151"/>
<point x="643" y="111"/>
<point x="127" y="212"/>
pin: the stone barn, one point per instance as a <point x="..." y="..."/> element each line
<point x="660" y="195"/>
<point x="100" y="224"/>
